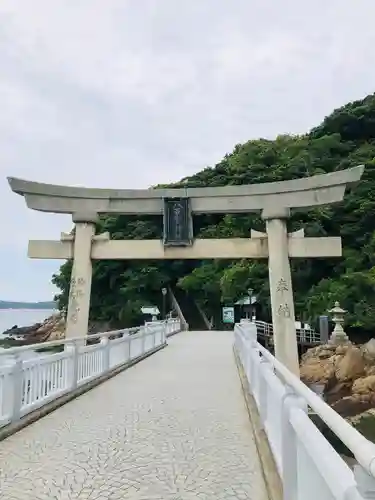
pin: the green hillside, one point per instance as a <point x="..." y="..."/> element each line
<point x="345" y="138"/>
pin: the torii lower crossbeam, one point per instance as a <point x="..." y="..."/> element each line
<point x="231" y="248"/>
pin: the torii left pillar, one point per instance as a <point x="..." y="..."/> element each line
<point x="80" y="282"/>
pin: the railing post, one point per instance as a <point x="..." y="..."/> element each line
<point x="289" y="445"/>
<point x="130" y="347"/>
<point x="365" y="483"/>
<point x="72" y="375"/>
<point x="248" y="359"/>
<point x="163" y="333"/>
<point x="251" y="340"/>
<point x="16" y="376"/>
<point x="143" y="342"/>
<point x="252" y="379"/>
<point x="263" y="391"/>
<point x="127" y="348"/>
<point x="104" y="343"/>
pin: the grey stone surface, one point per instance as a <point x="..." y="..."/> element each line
<point x="173" y="427"/>
<point x="228" y="248"/>
<point x="77" y="322"/>
<point x="304" y="192"/>
<point x="283" y="317"/>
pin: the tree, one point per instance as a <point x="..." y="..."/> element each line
<point x="345" y="138"/>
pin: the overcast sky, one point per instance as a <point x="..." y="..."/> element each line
<point x="130" y="93"/>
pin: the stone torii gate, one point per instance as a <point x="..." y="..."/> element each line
<point x="274" y="200"/>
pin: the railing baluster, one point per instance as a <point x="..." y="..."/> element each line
<point x="73" y="366"/>
<point x="34" y="382"/>
<point x="54" y="377"/>
<point x="48" y="368"/>
<point x="263" y="392"/>
<point x="105" y="354"/>
<point x="61" y="384"/>
<point x="143" y="343"/>
<point x="45" y="379"/>
<point x="38" y="383"/>
<point x="17" y="396"/>
<point x="33" y="372"/>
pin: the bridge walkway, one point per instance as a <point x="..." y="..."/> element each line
<point x="174" y="426"/>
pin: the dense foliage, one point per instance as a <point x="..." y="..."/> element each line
<point x="346" y="138"/>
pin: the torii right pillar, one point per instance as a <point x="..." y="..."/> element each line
<point x="281" y="291"/>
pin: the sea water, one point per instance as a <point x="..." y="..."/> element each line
<point x="20" y="317"/>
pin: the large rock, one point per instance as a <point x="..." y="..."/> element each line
<point x="370" y="370"/>
<point x="53" y="328"/>
<point x="364" y="385"/>
<point x="347" y="373"/>
<point x="315" y="352"/>
<point x="318" y="365"/>
<point x="351" y="366"/>
<point x="368" y="351"/>
<point x="335" y="391"/>
<point x="22" y="331"/>
<point x="354" y="404"/>
<point x="58" y="330"/>
<point x="317" y="371"/>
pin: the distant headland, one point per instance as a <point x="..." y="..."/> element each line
<point x="6" y="304"/>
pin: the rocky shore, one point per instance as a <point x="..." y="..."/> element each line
<point x="52" y="328"/>
<point x="346" y="374"/>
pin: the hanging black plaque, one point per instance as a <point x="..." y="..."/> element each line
<point x="177" y="222"/>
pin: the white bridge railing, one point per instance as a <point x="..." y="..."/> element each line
<point x="304" y="335"/>
<point x="308" y="465"/>
<point x="28" y="384"/>
<point x="172" y="326"/>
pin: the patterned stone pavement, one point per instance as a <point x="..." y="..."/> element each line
<point x="173" y="427"/>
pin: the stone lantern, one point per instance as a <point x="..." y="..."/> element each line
<point x="338" y="335"/>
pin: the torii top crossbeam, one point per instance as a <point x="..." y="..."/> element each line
<point x="294" y="194"/>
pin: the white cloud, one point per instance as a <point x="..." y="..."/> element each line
<point x="133" y="93"/>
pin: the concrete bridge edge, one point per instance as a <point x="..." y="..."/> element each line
<point x="269" y="469"/>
